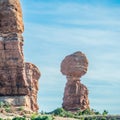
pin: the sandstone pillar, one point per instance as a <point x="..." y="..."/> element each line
<point x="14" y="81"/>
<point x="76" y="94"/>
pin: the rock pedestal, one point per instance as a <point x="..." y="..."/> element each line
<point x="18" y="80"/>
<point x="76" y="94"/>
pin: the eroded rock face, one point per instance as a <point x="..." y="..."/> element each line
<point x="12" y="71"/>
<point x="11" y="17"/>
<point x="76" y="94"/>
<point x="32" y="74"/>
<point x="18" y="80"/>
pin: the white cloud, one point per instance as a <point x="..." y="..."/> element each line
<point x="104" y="74"/>
<point x="75" y="36"/>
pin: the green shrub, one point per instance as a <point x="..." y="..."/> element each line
<point x="33" y="116"/>
<point x="91" y="118"/>
<point x="1" y="104"/>
<point x="58" y="111"/>
<point x="103" y="118"/>
<point x="21" y="108"/>
<point x="7" y="109"/>
<point x="87" y="118"/>
<point x="79" y="115"/>
<point x="97" y="113"/>
<point x="19" y="118"/>
<point x="69" y="114"/>
<point x="61" y="112"/>
<point x="1" y="119"/>
<point x="85" y="112"/>
<point x="6" y="104"/>
<point x="88" y="112"/>
<point x="7" y="119"/>
<point x="81" y="118"/>
<point x="43" y="118"/>
<point x="105" y="112"/>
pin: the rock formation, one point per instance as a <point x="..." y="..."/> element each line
<point x="76" y="94"/>
<point x="18" y="80"/>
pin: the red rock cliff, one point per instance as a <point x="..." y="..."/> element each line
<point x="18" y="80"/>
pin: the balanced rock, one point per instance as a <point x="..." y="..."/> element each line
<point x="76" y="94"/>
<point x="18" y="80"/>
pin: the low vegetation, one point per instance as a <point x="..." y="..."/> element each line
<point x="80" y="115"/>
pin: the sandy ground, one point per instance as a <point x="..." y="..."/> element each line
<point x="5" y="116"/>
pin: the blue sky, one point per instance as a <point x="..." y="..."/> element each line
<point x="56" y="28"/>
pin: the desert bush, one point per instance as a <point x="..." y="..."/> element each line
<point x="43" y="118"/>
<point x="88" y="112"/>
<point x="58" y="111"/>
<point x="1" y="104"/>
<point x="88" y="118"/>
<point x="21" y="108"/>
<point x="7" y="119"/>
<point x="61" y="112"/>
<point x="4" y="104"/>
<point x="105" y="112"/>
<point x="7" y="109"/>
<point x="103" y="118"/>
<point x="19" y="118"/>
<point x="33" y="116"/>
<point x="97" y="113"/>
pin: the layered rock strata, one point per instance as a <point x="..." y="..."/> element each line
<point x="76" y="94"/>
<point x="18" y="80"/>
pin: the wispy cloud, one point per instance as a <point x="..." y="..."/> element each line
<point x="56" y="29"/>
<point x="76" y="13"/>
<point x="78" y="35"/>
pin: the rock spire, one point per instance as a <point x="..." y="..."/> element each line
<point x="76" y="94"/>
<point x="18" y="79"/>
